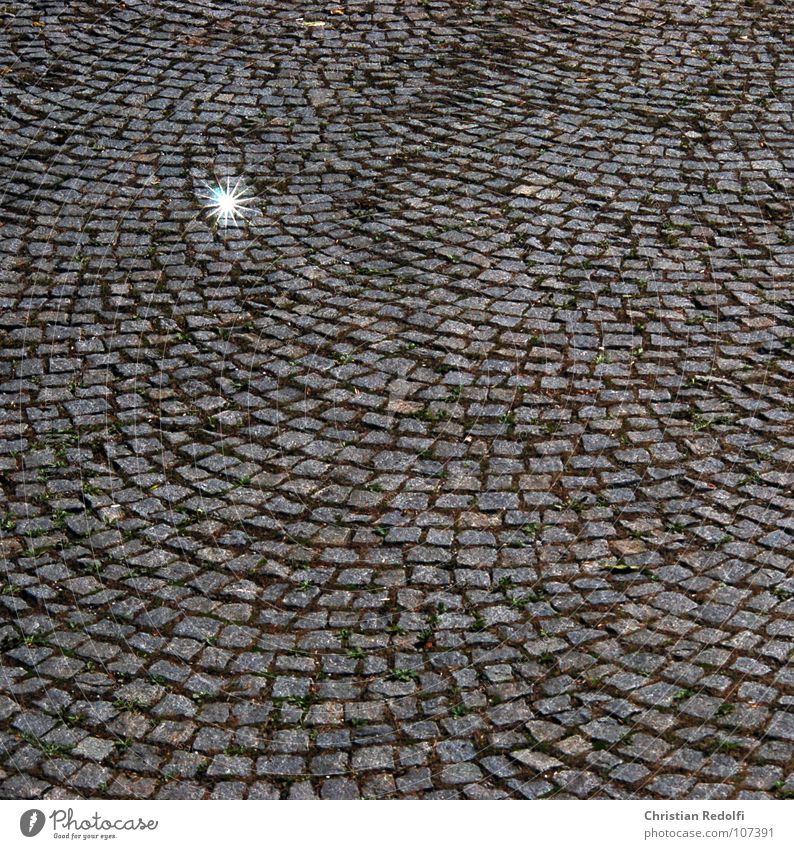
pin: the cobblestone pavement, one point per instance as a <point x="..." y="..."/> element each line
<point x="462" y="468"/>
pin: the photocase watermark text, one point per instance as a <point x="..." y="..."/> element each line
<point x="65" y="825"/>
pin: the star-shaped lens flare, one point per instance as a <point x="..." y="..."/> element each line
<point x="227" y="204"/>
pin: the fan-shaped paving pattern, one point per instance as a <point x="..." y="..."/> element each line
<point x="462" y="469"/>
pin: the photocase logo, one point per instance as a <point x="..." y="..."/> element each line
<point x="31" y="822"/>
<point x="65" y="823"/>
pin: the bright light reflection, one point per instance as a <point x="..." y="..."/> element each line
<point x="228" y="204"/>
